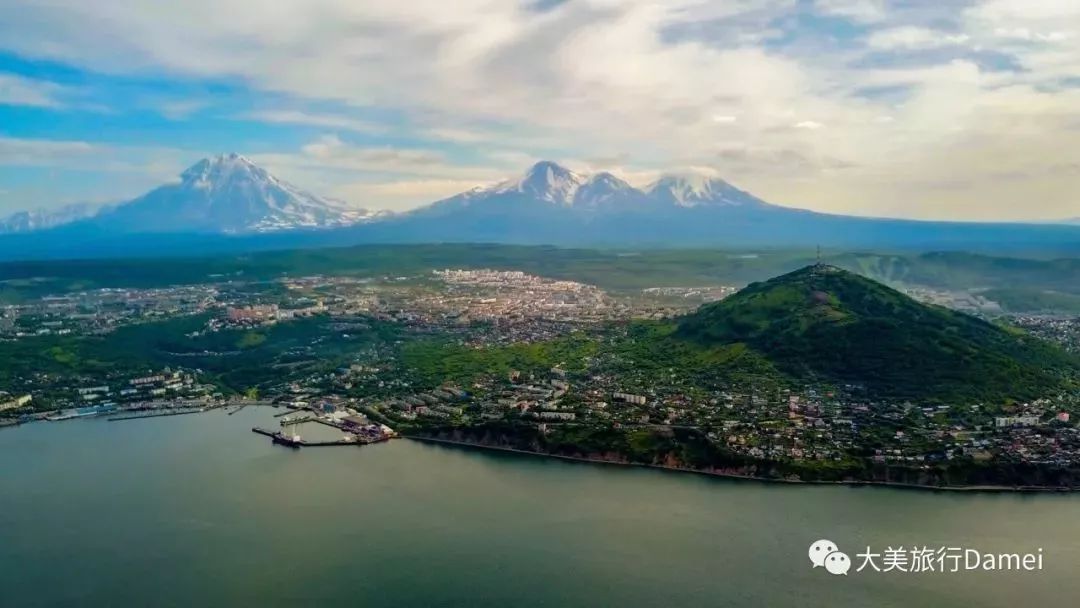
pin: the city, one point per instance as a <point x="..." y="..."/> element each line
<point x="590" y="379"/>
<point x="539" y="303"/>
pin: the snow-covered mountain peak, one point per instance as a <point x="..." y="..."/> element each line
<point x="694" y="189"/>
<point x="43" y="219"/>
<point x="602" y="187"/>
<point x="546" y="181"/>
<point x="230" y="193"/>
<point x="224" y="168"/>
<point x="608" y="180"/>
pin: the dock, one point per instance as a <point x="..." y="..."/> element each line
<point x="281" y="438"/>
<point x="157" y="414"/>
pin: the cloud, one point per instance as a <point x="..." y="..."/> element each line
<point x="159" y="163"/>
<point x="481" y="84"/>
<point x="378" y="177"/>
<point x="1023" y="33"/>
<point x="299" y="117"/>
<point x="458" y="135"/>
<point x="911" y="37"/>
<point x="18" y="90"/>
<point x="59" y="172"/>
<point x="402" y="194"/>
<point x="331" y="151"/>
<point x="182" y="108"/>
<point x="862" y="11"/>
<point x="41" y="152"/>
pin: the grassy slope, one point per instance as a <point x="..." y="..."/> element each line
<point x="841" y="327"/>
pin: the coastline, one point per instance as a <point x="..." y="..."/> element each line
<point x="853" y="483"/>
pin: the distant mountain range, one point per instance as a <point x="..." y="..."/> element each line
<point x="550" y="204"/>
<point x="224" y="194"/>
<point x="43" y="219"/>
<point x="228" y="203"/>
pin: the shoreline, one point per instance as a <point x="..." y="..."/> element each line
<point x="885" y="484"/>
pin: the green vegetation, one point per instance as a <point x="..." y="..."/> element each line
<point x="250" y="339"/>
<point x="237" y="360"/>
<point x="642" y="353"/>
<point x="690" y="449"/>
<point x="611" y="269"/>
<point x="651" y="352"/>
<point x="1034" y="300"/>
<point x="437" y="361"/>
<point x="827" y="324"/>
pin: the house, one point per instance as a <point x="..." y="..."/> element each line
<point x="16" y="403"/>
<point x="354" y="422"/>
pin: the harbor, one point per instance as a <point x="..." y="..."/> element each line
<point x="295" y="441"/>
<point x="330" y="423"/>
<point x="355" y="429"/>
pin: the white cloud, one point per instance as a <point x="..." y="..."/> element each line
<point x="43" y="152"/>
<point x="911" y="37"/>
<point x="18" y="90"/>
<point x="459" y="135"/>
<point x="81" y="172"/>
<point x="331" y="151"/>
<point x="642" y="82"/>
<point x="376" y="177"/>
<point x="1023" y="33"/>
<point x="298" y="117"/>
<point x="181" y="109"/>
<point x="402" y="194"/>
<point x="863" y="11"/>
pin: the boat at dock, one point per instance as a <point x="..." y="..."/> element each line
<point x="293" y="441"/>
<point x="289" y="439"/>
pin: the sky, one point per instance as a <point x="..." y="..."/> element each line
<point x="931" y="109"/>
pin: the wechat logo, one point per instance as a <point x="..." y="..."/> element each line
<point x="825" y="553"/>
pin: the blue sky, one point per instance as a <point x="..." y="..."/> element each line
<point x="954" y="109"/>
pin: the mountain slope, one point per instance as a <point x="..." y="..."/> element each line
<point x="43" y="219"/>
<point x="227" y="194"/>
<point x="824" y="323"/>
<point x="550" y="204"/>
<point x="220" y="198"/>
<point x="697" y="190"/>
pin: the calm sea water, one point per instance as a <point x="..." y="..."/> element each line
<point x="198" y="511"/>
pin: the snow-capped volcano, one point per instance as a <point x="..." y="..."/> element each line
<point x="550" y="185"/>
<point x="692" y="190"/>
<point x="229" y="193"/>
<point x="547" y="204"/>
<point x="545" y="181"/>
<point x="550" y="182"/>
<point x="603" y="188"/>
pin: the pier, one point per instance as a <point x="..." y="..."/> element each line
<point x="157" y="414"/>
<point x="283" y="439"/>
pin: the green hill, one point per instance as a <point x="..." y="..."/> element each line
<point x="827" y="324"/>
